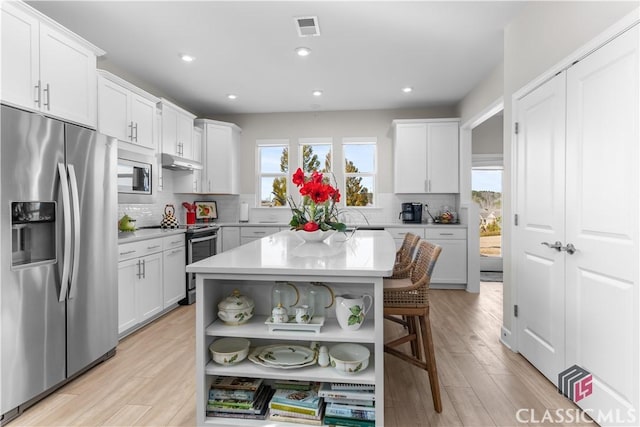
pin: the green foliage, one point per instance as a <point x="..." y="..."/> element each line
<point x="357" y="194"/>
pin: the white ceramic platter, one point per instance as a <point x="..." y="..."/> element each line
<point x="286" y="355"/>
<point x="255" y="359"/>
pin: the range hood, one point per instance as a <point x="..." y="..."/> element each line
<point x="173" y="162"/>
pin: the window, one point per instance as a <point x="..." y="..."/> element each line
<point x="315" y="154"/>
<point x="359" y="171"/>
<point x="273" y="169"/>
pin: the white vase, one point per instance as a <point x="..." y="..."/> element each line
<point x="351" y="310"/>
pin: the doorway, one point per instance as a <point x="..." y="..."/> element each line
<point x="486" y="192"/>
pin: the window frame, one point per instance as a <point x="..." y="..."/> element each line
<point x="373" y="174"/>
<point x="260" y="143"/>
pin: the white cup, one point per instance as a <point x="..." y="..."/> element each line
<point x="304" y="313"/>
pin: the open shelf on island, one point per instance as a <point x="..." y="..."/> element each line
<point x="256" y="328"/>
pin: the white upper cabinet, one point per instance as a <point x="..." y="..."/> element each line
<point x="47" y="68"/>
<point x="220" y="156"/>
<point x="177" y="130"/>
<point x="125" y="111"/>
<point x="426" y="156"/>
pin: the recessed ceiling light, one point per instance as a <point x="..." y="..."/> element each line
<point x="407" y="89"/>
<point x="232" y="96"/>
<point x="303" y="51"/>
<point x="317" y="93"/>
<point x="187" y="58"/>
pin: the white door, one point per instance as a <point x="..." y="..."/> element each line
<point x="602" y="222"/>
<point x="174" y="277"/>
<point x="113" y="105"/>
<point x="143" y="112"/>
<point x="540" y="185"/>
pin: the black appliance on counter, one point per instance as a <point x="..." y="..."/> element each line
<point x="201" y="240"/>
<point x="411" y="213"/>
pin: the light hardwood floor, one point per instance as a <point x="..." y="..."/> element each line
<point x="150" y="381"/>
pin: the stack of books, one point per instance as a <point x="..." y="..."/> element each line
<point x="351" y="405"/>
<point x="239" y="397"/>
<point x="296" y="402"/>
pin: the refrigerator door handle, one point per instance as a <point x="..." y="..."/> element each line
<point x="66" y="206"/>
<point x="75" y="204"/>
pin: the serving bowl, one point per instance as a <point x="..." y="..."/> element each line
<point x="348" y="358"/>
<point x="229" y="351"/>
<point x="236" y="309"/>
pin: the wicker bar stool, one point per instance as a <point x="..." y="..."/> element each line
<point x="404" y="255"/>
<point x="408" y="297"/>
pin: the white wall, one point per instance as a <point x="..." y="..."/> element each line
<point x="488" y="136"/>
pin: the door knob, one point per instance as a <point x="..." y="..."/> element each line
<point x="557" y="245"/>
<point x="570" y="249"/>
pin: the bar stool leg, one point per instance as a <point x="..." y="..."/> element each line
<point x="427" y="339"/>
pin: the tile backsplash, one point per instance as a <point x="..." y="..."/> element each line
<point x="386" y="212"/>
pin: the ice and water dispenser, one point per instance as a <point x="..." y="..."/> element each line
<point x="33" y="233"/>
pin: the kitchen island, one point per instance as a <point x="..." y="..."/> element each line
<point x="348" y="264"/>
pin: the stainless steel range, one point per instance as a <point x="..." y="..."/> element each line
<point x="201" y="243"/>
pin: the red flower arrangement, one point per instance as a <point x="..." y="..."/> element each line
<point x="317" y="209"/>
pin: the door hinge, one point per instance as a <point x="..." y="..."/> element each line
<point x="515" y="219"/>
<point x="515" y="310"/>
<point x="516" y="127"/>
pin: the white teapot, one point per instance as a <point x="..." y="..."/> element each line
<point x="351" y="310"/>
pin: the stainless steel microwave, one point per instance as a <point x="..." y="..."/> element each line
<point x="136" y="180"/>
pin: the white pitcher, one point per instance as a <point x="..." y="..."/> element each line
<point x="351" y="310"/>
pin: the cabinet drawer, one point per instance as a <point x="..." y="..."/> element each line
<point x="175" y="241"/>
<point x="445" y="233"/>
<point x="400" y="232"/>
<point x="257" y="232"/>
<point x="138" y="249"/>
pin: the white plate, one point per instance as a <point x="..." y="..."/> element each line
<point x="254" y="358"/>
<point x="286" y="355"/>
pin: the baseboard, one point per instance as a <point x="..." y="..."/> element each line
<point x="505" y="338"/>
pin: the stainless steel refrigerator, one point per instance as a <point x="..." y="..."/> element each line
<point x="58" y="294"/>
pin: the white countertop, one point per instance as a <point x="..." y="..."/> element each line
<point x="147" y="233"/>
<point x="364" y="253"/>
<point x="382" y="225"/>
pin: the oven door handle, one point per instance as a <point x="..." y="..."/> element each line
<point x="201" y="239"/>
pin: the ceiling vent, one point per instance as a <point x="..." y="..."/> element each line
<point x="307" y="26"/>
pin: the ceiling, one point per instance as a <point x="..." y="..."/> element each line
<point x="365" y="54"/>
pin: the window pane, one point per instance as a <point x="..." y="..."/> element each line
<point x="316" y="157"/>
<point x="359" y="190"/>
<point x="274" y="159"/>
<point x="359" y="158"/>
<point x="273" y="191"/>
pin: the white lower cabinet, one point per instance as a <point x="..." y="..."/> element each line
<point x="249" y="234"/>
<point x="139" y="290"/>
<point x="398" y="233"/>
<point x="151" y="278"/>
<point x="451" y="267"/>
<point x="173" y="265"/>
<point x="230" y="238"/>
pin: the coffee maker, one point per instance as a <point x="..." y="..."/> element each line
<point x="411" y="213"/>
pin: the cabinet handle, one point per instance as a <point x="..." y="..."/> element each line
<point x="135" y="138"/>
<point x="153" y="247"/>
<point x="144" y="269"/>
<point x="446" y="234"/>
<point x="38" y="98"/>
<point x="47" y="104"/>
<point x="175" y="242"/>
<point x="259" y="232"/>
<point x="128" y="252"/>
<point x="176" y="251"/>
<point x="130" y="126"/>
<point x="139" y="274"/>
